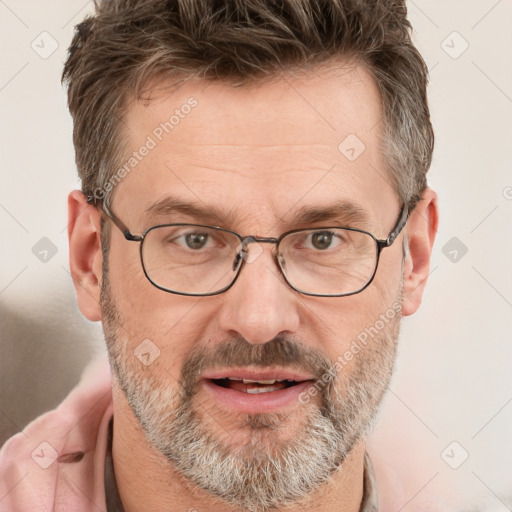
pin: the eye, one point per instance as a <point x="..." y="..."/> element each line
<point x="322" y="240"/>
<point x="195" y="241"/>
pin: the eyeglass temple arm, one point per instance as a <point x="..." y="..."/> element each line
<point x="400" y="223"/>
<point x="120" y="224"/>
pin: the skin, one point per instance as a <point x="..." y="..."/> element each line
<point x="256" y="154"/>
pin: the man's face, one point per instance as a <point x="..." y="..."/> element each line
<point x="253" y="158"/>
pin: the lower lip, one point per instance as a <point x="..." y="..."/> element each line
<point x="257" y="402"/>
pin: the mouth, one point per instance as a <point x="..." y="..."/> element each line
<point x="254" y="386"/>
<point x="256" y="392"/>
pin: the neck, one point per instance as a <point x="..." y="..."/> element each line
<point x="147" y="481"/>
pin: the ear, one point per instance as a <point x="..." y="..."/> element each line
<point x="421" y="230"/>
<point x="85" y="258"/>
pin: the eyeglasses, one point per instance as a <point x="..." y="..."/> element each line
<point x="199" y="260"/>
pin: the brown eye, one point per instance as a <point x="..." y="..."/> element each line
<point x="321" y="240"/>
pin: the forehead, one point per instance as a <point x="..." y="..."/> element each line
<point x="261" y="150"/>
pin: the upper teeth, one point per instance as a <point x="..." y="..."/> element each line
<point x="270" y="381"/>
<point x="249" y="381"/>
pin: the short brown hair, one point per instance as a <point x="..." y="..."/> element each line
<point x="127" y="44"/>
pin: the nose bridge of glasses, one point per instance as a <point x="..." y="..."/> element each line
<point x="260" y="239"/>
<point x="243" y="247"/>
<point x="243" y="252"/>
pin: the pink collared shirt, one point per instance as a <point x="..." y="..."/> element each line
<point x="57" y="463"/>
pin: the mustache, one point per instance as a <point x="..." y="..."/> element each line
<point x="238" y="352"/>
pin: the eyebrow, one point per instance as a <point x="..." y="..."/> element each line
<point x="171" y="205"/>
<point x="344" y="213"/>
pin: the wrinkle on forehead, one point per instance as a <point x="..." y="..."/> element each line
<point x="264" y="151"/>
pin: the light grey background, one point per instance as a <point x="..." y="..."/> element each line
<point x="453" y="381"/>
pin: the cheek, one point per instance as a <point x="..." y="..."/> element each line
<point x="173" y="323"/>
<point x="129" y="286"/>
<point x="338" y="323"/>
<point x="388" y="280"/>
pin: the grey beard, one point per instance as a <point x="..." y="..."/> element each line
<point x="265" y="473"/>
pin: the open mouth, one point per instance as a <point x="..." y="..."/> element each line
<point x="254" y="386"/>
<point x="258" y="390"/>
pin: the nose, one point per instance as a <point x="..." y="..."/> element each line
<point x="260" y="305"/>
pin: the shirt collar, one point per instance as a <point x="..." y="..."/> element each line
<point x="370" y="501"/>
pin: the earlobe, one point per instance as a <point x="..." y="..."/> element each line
<point x="85" y="257"/>
<point x="421" y="231"/>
